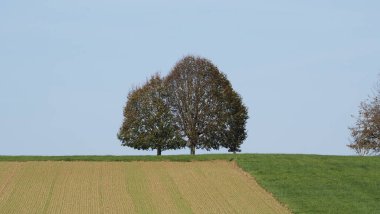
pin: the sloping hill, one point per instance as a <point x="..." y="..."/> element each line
<point x="319" y="184"/>
<point x="133" y="187"/>
<point x="305" y="183"/>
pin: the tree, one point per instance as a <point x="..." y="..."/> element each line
<point x="366" y="131"/>
<point x="200" y="105"/>
<point x="148" y="121"/>
<point x="237" y="115"/>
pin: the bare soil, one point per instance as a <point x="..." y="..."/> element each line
<point x="131" y="187"/>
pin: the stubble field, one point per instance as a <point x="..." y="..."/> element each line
<point x="131" y="187"/>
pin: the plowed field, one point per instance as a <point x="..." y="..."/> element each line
<point x="133" y="187"/>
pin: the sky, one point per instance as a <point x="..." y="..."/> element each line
<point x="301" y="67"/>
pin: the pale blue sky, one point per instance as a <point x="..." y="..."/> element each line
<point x="66" y="66"/>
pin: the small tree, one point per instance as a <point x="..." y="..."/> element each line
<point x="366" y="131"/>
<point x="237" y="115"/>
<point x="148" y="122"/>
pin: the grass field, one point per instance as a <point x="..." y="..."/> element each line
<point x="133" y="187"/>
<point x="305" y="183"/>
<point x="319" y="184"/>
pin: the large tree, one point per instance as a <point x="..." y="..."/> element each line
<point x="366" y="131"/>
<point x="199" y="101"/>
<point x="148" y="121"/>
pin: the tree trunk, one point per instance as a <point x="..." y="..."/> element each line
<point x="159" y="151"/>
<point x="234" y="152"/>
<point x="192" y="150"/>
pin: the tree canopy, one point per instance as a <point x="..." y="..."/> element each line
<point x="366" y="131"/>
<point x="148" y="121"/>
<point x="195" y="105"/>
<point x="202" y="101"/>
<point x="237" y="115"/>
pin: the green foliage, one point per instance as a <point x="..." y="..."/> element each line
<point x="236" y="115"/>
<point x="148" y="120"/>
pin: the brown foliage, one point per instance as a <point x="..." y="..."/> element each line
<point x="194" y="103"/>
<point x="366" y="131"/>
<point x="202" y="101"/>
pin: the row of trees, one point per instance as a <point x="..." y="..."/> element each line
<point x="194" y="106"/>
<point x="366" y="131"/>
